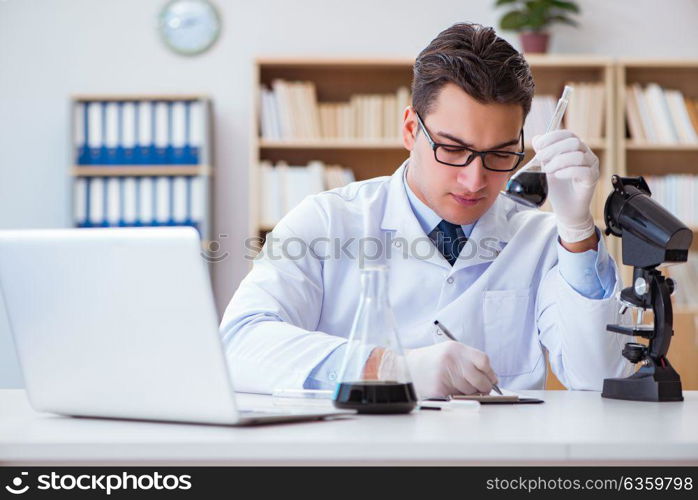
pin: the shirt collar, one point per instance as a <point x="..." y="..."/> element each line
<point x="493" y="226"/>
<point x="427" y="218"/>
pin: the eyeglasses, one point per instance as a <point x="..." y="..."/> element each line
<point x="462" y="156"/>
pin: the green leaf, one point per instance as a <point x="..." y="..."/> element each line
<point x="562" y="4"/>
<point x="499" y="3"/>
<point x="537" y="18"/>
<point x="515" y="20"/>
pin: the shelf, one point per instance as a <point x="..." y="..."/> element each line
<point x="630" y="146"/>
<point x="566" y="61"/>
<point x="139" y="170"/>
<point x="658" y="63"/>
<point x="329" y="62"/>
<point x="367" y="144"/>
<point x="592" y="143"/>
<point x="332" y="144"/>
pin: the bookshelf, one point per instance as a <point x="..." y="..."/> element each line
<point x="337" y="79"/>
<point x="660" y="159"/>
<point x="550" y="74"/>
<point x="124" y="145"/>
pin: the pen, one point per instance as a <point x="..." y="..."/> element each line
<point x="450" y="336"/>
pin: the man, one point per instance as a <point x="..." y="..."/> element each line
<point x="509" y="282"/>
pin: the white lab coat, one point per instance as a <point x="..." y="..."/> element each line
<point x="504" y="296"/>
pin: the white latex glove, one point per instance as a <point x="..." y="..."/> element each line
<point x="447" y="368"/>
<point x="572" y="172"/>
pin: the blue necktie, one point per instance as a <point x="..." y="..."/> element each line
<point x="449" y="239"/>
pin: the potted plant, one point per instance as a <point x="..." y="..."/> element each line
<point x="531" y="19"/>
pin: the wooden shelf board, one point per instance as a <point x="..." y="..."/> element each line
<point x="568" y="61"/>
<point x="329" y="61"/>
<point x="592" y="143"/>
<point x="658" y="63"/>
<point x="562" y="62"/>
<point x="631" y="146"/>
<point x="366" y="144"/>
<point x="332" y="144"/>
<point x="139" y="170"/>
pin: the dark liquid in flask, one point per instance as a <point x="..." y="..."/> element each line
<point x="530" y="188"/>
<point x="376" y="397"/>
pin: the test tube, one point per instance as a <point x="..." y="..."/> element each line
<point x="554" y="123"/>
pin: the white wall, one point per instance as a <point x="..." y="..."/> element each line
<point x="50" y="49"/>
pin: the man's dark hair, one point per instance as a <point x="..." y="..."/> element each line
<point x="473" y="57"/>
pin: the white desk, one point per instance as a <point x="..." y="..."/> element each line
<point x="569" y="428"/>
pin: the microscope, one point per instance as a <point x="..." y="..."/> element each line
<point x="650" y="236"/>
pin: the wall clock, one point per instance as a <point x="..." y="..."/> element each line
<point x="189" y="27"/>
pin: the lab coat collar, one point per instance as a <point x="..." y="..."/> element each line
<point x="492" y="230"/>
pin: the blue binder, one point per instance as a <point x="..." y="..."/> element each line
<point x="83" y="151"/>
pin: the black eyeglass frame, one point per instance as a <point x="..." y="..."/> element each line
<point x="473" y="152"/>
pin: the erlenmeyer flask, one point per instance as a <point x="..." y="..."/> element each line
<point x="529" y="186"/>
<point x="383" y="384"/>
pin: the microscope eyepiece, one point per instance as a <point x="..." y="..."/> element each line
<point x="651" y="234"/>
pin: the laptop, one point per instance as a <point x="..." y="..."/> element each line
<point x="121" y="323"/>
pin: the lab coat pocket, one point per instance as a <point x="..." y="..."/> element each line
<point x="509" y="341"/>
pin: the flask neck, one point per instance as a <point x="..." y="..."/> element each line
<point x="374" y="283"/>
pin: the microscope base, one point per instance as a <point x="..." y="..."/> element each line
<point x="662" y="385"/>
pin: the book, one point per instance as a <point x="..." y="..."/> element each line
<point x="130" y="201"/>
<point x="129" y="128"/>
<point x="680" y="118"/>
<point x="632" y="114"/>
<point x="692" y="109"/>
<point x="94" y="130"/>
<point x="161" y="139"/>
<point x="295" y="108"/>
<point x="585" y="115"/>
<point x="648" y="124"/>
<point x="144" y="135"/>
<point x="112" y="132"/>
<point x="658" y="115"/>
<point x="113" y="202"/>
<point x="659" y="112"/>
<point x="283" y="186"/>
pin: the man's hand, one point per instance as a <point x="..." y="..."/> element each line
<point x="572" y="172"/>
<point x="447" y="368"/>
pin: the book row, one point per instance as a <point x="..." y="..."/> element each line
<point x="658" y="115"/>
<point x="138" y="132"/>
<point x="678" y="194"/>
<point x="584" y="115"/>
<point x="284" y="186"/>
<point x="291" y="111"/>
<point x="138" y="201"/>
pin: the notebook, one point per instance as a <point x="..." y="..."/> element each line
<point x="507" y="397"/>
